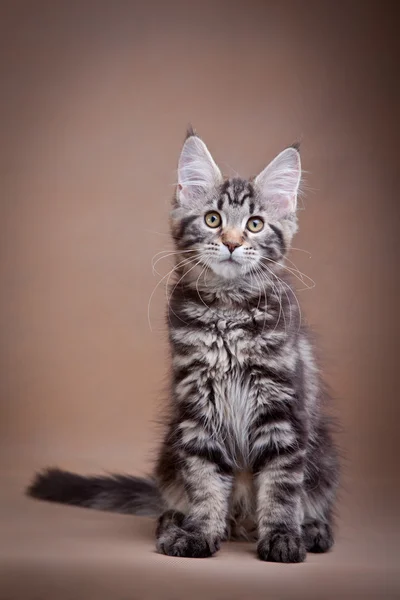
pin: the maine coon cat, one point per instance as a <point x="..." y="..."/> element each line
<point x="247" y="450"/>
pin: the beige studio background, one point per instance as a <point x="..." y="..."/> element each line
<point x="95" y="100"/>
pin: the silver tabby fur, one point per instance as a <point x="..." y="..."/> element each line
<point x="248" y="451"/>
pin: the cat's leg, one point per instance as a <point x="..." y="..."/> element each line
<point x="279" y="510"/>
<point x="320" y="485"/>
<point x="317" y="528"/>
<point x="206" y="479"/>
<point x="279" y="479"/>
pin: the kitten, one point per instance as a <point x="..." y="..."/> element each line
<point x="248" y="451"/>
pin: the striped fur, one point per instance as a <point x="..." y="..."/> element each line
<point x="247" y="451"/>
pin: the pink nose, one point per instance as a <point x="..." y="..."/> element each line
<point x="232" y="245"/>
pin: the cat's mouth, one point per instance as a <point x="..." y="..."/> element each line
<point x="227" y="268"/>
<point x="230" y="259"/>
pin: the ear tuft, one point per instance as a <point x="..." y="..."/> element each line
<point x="190" y="131"/>
<point x="278" y="184"/>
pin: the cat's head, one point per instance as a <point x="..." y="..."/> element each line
<point x="232" y="226"/>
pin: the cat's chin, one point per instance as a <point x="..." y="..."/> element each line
<point x="228" y="269"/>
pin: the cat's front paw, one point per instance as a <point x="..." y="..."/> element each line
<point x="174" y="540"/>
<point x="317" y="536"/>
<point x="282" y="547"/>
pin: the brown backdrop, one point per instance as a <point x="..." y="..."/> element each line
<point x="95" y="99"/>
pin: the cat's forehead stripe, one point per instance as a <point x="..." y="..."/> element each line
<point x="236" y="191"/>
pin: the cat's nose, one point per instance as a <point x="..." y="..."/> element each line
<point x="231" y="245"/>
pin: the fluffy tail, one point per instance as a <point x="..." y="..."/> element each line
<point x="115" y="493"/>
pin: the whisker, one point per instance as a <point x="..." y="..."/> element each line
<point x="295" y="273"/>
<point x="157" y="232"/>
<point x="300" y="276"/>
<point x="258" y="271"/>
<point x="178" y="282"/>
<point x="281" y="311"/>
<point x="171" y="253"/>
<point x="259" y="287"/>
<point x="301" y="250"/>
<point x="156" y="287"/>
<point x="198" y="292"/>
<point x="292" y="291"/>
<point x="184" y="263"/>
<point x="296" y="269"/>
<point x="265" y="307"/>
<point x="287" y="297"/>
<point x="278" y="297"/>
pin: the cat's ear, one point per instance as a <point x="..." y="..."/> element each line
<point x="278" y="184"/>
<point x="197" y="172"/>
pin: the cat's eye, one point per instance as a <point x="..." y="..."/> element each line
<point x="213" y="219"/>
<point x="255" y="224"/>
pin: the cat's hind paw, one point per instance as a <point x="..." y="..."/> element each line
<point x="317" y="536"/>
<point x="174" y="540"/>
